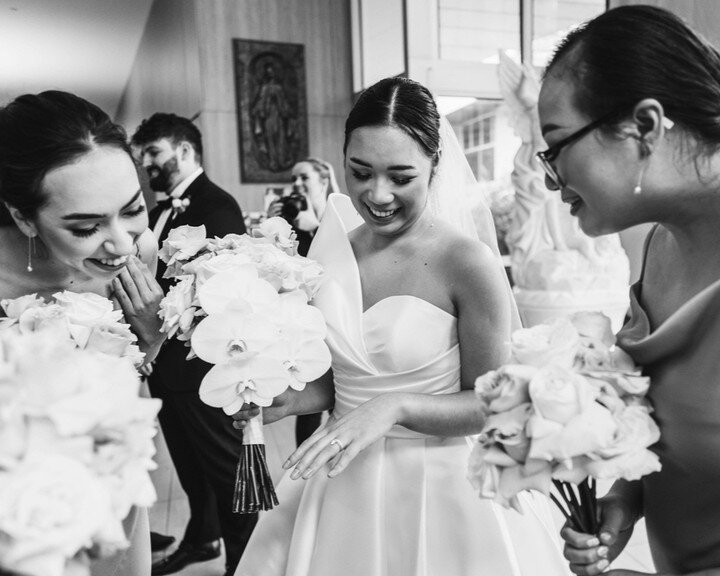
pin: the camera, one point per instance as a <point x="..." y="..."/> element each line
<point x="292" y="205"/>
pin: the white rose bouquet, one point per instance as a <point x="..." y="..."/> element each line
<point x="242" y="304"/>
<point x="569" y="409"/>
<point x="87" y="320"/>
<point x="75" y="450"/>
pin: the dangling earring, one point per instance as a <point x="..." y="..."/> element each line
<point x="638" y="187"/>
<point x="31" y="251"/>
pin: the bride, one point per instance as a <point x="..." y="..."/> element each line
<point x="73" y="218"/>
<point x="416" y="310"/>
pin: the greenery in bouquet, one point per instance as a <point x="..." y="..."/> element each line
<point x="75" y="451"/>
<point x="87" y="320"/>
<point x="568" y="409"/>
<point x="242" y="304"/>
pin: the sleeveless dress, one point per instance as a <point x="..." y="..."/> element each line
<point x="682" y="358"/>
<point x="403" y="507"/>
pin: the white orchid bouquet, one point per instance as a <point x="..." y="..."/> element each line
<point x="569" y="409"/>
<point x="85" y="319"/>
<point x="242" y="304"/>
<point x="75" y="450"/>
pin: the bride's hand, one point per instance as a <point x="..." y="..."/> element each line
<point x="138" y="294"/>
<point x="340" y="440"/>
<point x="279" y="409"/>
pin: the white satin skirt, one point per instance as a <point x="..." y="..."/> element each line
<point x="403" y="507"/>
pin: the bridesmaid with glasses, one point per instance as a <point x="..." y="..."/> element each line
<point x="630" y="110"/>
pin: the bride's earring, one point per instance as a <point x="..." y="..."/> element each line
<point x="31" y="251"/>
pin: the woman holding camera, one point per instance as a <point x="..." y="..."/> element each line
<point x="313" y="180"/>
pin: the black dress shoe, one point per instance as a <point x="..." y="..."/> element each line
<point x="186" y="554"/>
<point x="159" y="542"/>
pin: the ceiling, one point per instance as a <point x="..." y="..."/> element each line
<point x="82" y="46"/>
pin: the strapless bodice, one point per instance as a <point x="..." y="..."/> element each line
<point x="403" y="332"/>
<point x="401" y="344"/>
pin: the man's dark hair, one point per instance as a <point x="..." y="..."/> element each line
<point x="171" y="126"/>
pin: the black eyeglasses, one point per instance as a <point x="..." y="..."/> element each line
<point x="549" y="156"/>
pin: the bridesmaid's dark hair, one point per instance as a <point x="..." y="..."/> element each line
<point x="402" y="103"/>
<point x="634" y="52"/>
<point x="41" y="132"/>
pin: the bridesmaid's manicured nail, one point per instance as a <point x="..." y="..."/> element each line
<point x="603" y="564"/>
<point x="592" y="543"/>
<point x="286" y="465"/>
<point x="602" y="552"/>
<point x="606" y="537"/>
<point x="295" y="474"/>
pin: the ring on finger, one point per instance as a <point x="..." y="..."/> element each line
<point x="336" y="442"/>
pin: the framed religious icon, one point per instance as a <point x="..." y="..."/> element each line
<point x="271" y="108"/>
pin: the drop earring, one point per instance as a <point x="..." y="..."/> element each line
<point x="31" y="251"/>
<point x="638" y="187"/>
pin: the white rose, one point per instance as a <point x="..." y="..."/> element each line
<point x="573" y="470"/>
<point x="183" y="243"/>
<point x="211" y="266"/>
<point x="622" y="361"/>
<point x="508" y="430"/>
<point x="279" y="231"/>
<point x="15" y="307"/>
<point x="13" y="428"/>
<point x="79" y="390"/>
<point x="505" y="388"/>
<point x="113" y="339"/>
<point x="592" y="354"/>
<point x="51" y="318"/>
<point x="636" y="429"/>
<point x="483" y="476"/>
<point x="594" y="325"/>
<point x="559" y="394"/>
<point x="175" y="305"/>
<point x="630" y="466"/>
<point x="554" y="343"/>
<point x="52" y="507"/>
<point x="588" y="432"/>
<point x="625" y="384"/>
<point x="86" y="308"/>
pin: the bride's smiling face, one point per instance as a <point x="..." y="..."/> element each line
<point x="94" y="213"/>
<point x="387" y="177"/>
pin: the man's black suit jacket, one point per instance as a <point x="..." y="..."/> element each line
<point x="218" y="211"/>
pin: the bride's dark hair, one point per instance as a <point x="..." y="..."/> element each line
<point x="402" y="103"/>
<point x="41" y="132"/>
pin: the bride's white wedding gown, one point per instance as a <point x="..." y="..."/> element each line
<point x="403" y="507"/>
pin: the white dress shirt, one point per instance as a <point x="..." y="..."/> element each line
<point x="176" y="192"/>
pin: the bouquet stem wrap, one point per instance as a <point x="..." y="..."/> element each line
<point x="254" y="489"/>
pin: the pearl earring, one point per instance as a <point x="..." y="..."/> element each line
<point x="31" y="251"/>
